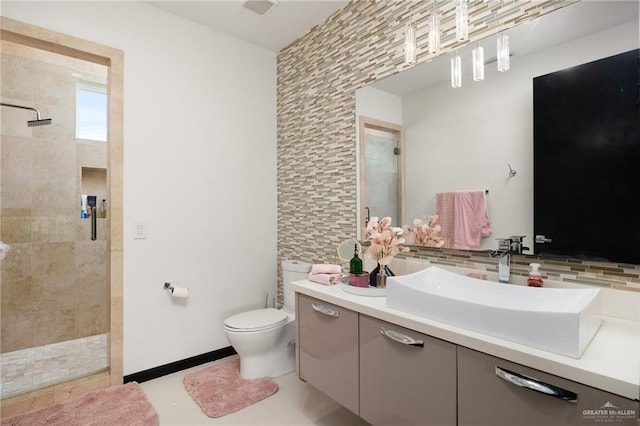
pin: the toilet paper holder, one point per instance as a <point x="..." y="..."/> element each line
<point x="180" y="292"/>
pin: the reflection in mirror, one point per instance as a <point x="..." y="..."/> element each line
<point x="470" y="137"/>
<point x="345" y="250"/>
<point x="381" y="171"/>
<point x="595" y="153"/>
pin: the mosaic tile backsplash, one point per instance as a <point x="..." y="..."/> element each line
<point x="317" y="78"/>
<point x="602" y="274"/>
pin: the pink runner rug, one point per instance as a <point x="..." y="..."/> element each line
<point x="220" y="390"/>
<point x="116" y="405"/>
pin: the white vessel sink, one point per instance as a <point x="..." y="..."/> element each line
<point x="561" y="321"/>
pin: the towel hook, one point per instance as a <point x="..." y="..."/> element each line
<point x="512" y="172"/>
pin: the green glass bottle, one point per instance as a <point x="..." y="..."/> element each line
<point x="355" y="265"/>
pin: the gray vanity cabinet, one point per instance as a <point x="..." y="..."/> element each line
<point x="406" y="378"/>
<point x="327" y="347"/>
<point x="492" y="391"/>
<point x="390" y="375"/>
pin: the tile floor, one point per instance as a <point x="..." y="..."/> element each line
<point x="295" y="403"/>
<point x="33" y="368"/>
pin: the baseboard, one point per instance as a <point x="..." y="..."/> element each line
<point x="174" y="367"/>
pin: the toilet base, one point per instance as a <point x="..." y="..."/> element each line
<point x="273" y="364"/>
<point x="268" y="353"/>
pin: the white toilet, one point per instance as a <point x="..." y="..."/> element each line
<point x="264" y="338"/>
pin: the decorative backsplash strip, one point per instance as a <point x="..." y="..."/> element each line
<point x="317" y="78"/>
<point x="613" y="275"/>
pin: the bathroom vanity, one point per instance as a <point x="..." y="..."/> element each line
<point x="393" y="367"/>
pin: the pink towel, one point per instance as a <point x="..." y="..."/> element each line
<point x="326" y="268"/>
<point x="445" y="209"/>
<point x="326" y="279"/>
<point x="471" y="221"/>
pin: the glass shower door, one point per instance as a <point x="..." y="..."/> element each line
<point x="381" y="174"/>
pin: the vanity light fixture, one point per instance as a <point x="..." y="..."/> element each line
<point x="478" y="63"/>
<point x="434" y="31"/>
<point x="462" y="20"/>
<point x="503" y="52"/>
<point x="410" y="45"/>
<point x="456" y="71"/>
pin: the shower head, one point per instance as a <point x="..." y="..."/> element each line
<point x="37" y="122"/>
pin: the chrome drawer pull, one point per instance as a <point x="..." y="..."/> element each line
<point x="536" y="385"/>
<point x="401" y="338"/>
<point x="324" y="310"/>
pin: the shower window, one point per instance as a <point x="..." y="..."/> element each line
<point x="91" y="112"/>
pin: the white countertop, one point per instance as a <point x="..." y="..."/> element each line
<point x="611" y="362"/>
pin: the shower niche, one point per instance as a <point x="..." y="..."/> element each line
<point x="93" y="193"/>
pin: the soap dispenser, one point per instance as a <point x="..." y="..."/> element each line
<point x="535" y="278"/>
<point x="357" y="276"/>
<point x="355" y="265"/>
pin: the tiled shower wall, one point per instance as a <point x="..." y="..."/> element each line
<point x="317" y="78"/>
<point x="54" y="285"/>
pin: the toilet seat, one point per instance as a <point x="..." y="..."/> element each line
<point x="256" y="320"/>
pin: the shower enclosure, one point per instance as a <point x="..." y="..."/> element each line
<point x="54" y="280"/>
<point x="57" y="279"/>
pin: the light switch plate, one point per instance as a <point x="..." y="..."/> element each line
<point x="139" y="230"/>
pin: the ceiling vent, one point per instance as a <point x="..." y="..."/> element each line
<point x="261" y="7"/>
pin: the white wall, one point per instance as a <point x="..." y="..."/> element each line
<point x="458" y="139"/>
<point x="377" y="104"/>
<point x="199" y="168"/>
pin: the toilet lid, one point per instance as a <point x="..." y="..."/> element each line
<point x="255" y="320"/>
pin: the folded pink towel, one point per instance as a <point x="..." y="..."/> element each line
<point x="326" y="279"/>
<point x="326" y="268"/>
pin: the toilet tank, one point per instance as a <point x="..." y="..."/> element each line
<point x="292" y="270"/>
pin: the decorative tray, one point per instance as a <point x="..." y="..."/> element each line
<point x="364" y="291"/>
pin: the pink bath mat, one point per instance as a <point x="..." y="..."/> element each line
<point x="220" y="390"/>
<point x="115" y="405"/>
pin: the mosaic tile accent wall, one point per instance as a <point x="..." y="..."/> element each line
<point x="317" y="78"/>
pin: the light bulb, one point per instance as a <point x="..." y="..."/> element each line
<point x="462" y="18"/>
<point x="434" y="34"/>
<point x="456" y="72"/>
<point x="478" y="63"/>
<point x="410" y="45"/>
<point x="503" y="52"/>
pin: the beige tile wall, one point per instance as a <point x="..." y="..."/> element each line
<point x="54" y="284"/>
<point x="317" y="78"/>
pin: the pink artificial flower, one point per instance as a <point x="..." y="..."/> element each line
<point x="385" y="240"/>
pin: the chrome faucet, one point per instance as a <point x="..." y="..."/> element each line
<point x="515" y="244"/>
<point x="506" y="246"/>
<point x="504" y="259"/>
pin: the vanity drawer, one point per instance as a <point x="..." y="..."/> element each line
<point x="492" y="391"/>
<point x="406" y="378"/>
<point x="327" y="349"/>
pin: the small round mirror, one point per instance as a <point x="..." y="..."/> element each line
<point x="345" y="249"/>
